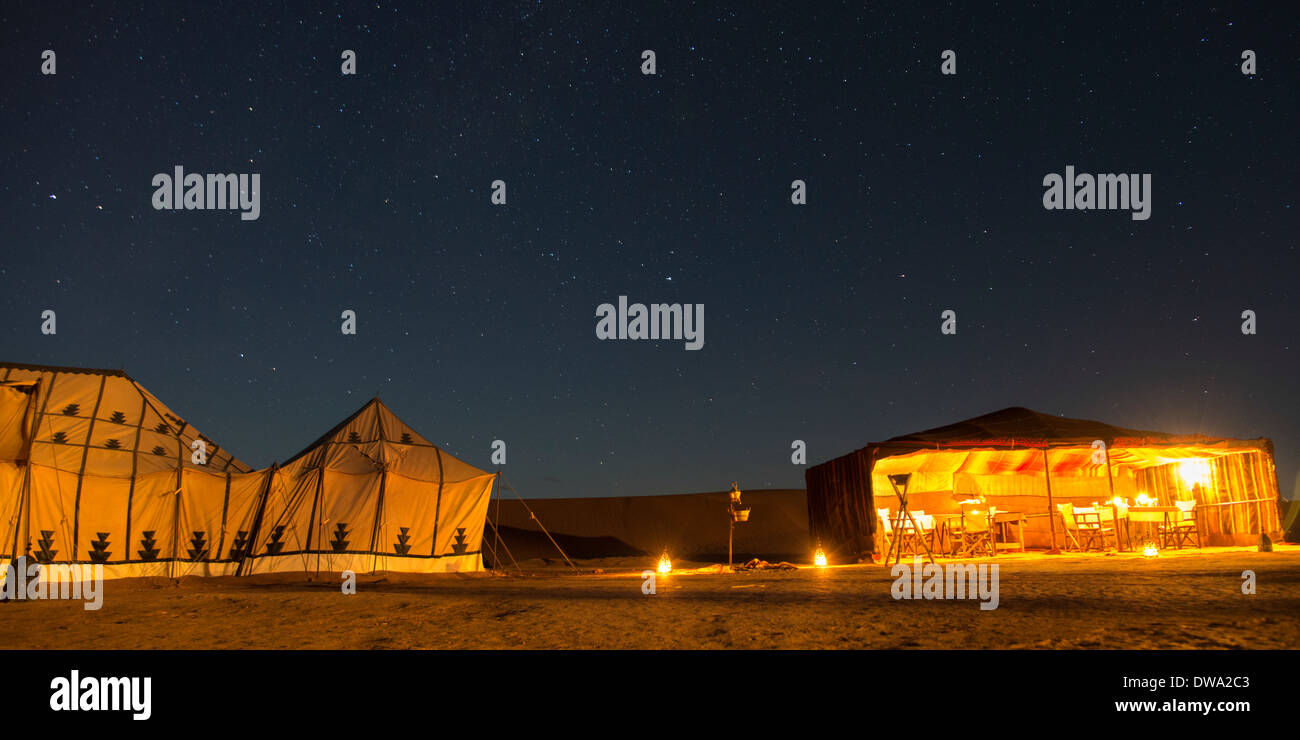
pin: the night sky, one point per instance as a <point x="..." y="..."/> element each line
<point x="822" y="322"/>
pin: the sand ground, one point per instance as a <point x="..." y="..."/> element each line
<point x="1179" y="600"/>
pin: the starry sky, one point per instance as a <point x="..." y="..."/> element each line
<point x="822" y="322"/>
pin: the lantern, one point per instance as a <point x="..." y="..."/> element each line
<point x="1149" y="550"/>
<point x="665" y="565"/>
<point x="819" y="557"/>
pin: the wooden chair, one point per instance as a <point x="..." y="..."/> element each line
<point x="977" y="531"/>
<point x="886" y="542"/>
<point x="1091" y="532"/>
<point x="954" y="535"/>
<point x="1182" y="527"/>
<point x="905" y="536"/>
<point x="1071" y="527"/>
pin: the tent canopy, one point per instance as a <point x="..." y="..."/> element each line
<point x="1011" y="454"/>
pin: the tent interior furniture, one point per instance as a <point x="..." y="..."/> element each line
<point x="1003" y="521"/>
<point x="1092" y="534"/>
<point x="1020" y="460"/>
<point x="920" y="531"/>
<point x="96" y="470"/>
<point x="1153" y="520"/>
<point x="1070" y="528"/>
<point x="1181" y="527"/>
<point x="977" y="531"/>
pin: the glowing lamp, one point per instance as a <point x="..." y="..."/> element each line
<point x="1149" y="550"/>
<point x="819" y="557"/>
<point x="665" y="565"/>
<point x="1145" y="500"/>
<point x="1194" y="472"/>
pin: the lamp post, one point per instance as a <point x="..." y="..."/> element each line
<point x="736" y="512"/>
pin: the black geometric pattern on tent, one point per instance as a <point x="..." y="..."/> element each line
<point x="239" y="545"/>
<point x="99" y="551"/>
<point x="403" y="546"/>
<point x="340" y="541"/>
<point x="148" y="544"/>
<point x="274" y="546"/>
<point x="198" y="546"/>
<point x="46" y="552"/>
<point x="460" y="545"/>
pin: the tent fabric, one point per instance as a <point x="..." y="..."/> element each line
<point x="96" y="470"/>
<point x="372" y="494"/>
<point x="91" y="464"/>
<point x="1008" y="456"/>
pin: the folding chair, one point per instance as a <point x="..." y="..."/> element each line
<point x="1071" y="527"/>
<point x="887" y="534"/>
<point x="901" y="533"/>
<point x="925" y="527"/>
<point x="1089" y="528"/>
<point x="977" y="531"/>
<point x="1182" y="527"/>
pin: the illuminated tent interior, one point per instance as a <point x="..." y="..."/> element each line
<point x="95" y="470"/>
<point x="1010" y="457"/>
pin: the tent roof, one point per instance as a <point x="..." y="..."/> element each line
<point x="102" y="422"/>
<point x="374" y="438"/>
<point x="1022" y="427"/>
<point x="1008" y="441"/>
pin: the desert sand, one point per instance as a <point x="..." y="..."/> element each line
<point x="1188" y="599"/>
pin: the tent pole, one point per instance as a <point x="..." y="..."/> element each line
<point x="496" y="521"/>
<point x="1110" y="481"/>
<point x="379" y="513"/>
<point x="533" y="516"/>
<point x="1051" y="506"/>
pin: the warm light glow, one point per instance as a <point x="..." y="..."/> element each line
<point x="819" y="558"/>
<point x="1194" y="472"/>
<point x="1149" y="550"/>
<point x="1117" y="501"/>
<point x="1145" y="500"/>
<point x="665" y="565"/>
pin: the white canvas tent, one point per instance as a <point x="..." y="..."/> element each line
<point x="372" y="494"/>
<point x="94" y="469"/>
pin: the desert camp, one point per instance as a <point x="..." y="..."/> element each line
<point x="199" y="549"/>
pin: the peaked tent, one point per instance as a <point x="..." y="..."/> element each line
<point x="95" y="469"/>
<point x="371" y="494"/>
<point x="1008" y="457"/>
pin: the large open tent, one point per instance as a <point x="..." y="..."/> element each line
<point x="95" y="470"/>
<point x="1020" y="460"/>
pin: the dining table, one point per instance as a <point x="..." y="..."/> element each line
<point x="1152" y="515"/>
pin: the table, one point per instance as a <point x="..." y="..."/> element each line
<point x="1003" y="519"/>
<point x="1149" y="515"/>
